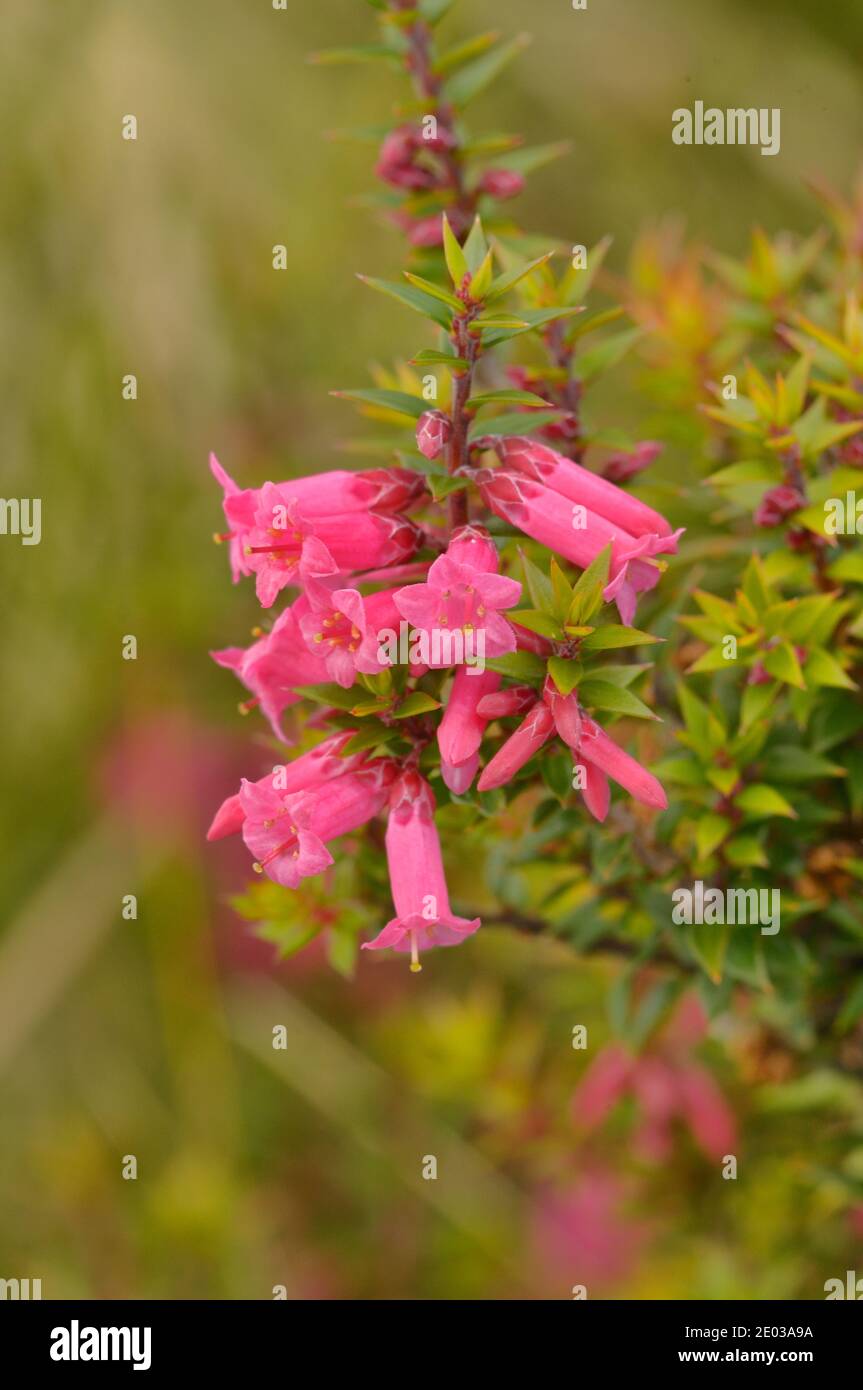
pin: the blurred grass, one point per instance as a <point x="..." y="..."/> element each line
<point x="154" y="258"/>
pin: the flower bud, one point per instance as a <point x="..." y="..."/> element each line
<point x="501" y="183"/>
<point x="434" y="430"/>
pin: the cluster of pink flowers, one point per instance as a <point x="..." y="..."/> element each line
<point x="666" y="1086"/>
<point x="335" y="539"/>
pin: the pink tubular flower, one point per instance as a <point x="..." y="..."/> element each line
<point x="373" y="489"/>
<point x="596" y="747"/>
<point x="463" y="593"/>
<point x="543" y="514"/>
<point x="434" y="431"/>
<point x="569" y="479"/>
<point x="461" y="729"/>
<point x="517" y="699"/>
<point x="533" y="731"/>
<point x="288" y="833"/>
<point x="342" y="628"/>
<point x="309" y="770"/>
<point x="239" y="505"/>
<point x="423" y="917"/>
<point x="287" y="547"/>
<point x="274" y="665"/>
<point x="565" y="712"/>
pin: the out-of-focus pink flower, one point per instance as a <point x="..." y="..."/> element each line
<point x="342" y="628"/>
<point x="542" y="513"/>
<point x="423" y="917"/>
<point x="777" y="504"/>
<point x="602" y="1086"/>
<point x="533" y="731"/>
<point x="426" y="231"/>
<point x="707" y="1112"/>
<point x="596" y="791"/>
<point x="502" y="183"/>
<point x="619" y="467"/>
<point x="434" y="431"/>
<point x="461" y="729"/>
<point x="287" y="834"/>
<point x="667" y="1086"/>
<point x="582" y="1236"/>
<point x="274" y="665"/>
<point x="462" y="594"/>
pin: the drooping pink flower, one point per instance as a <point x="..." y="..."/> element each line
<point x="287" y="547"/>
<point x="288" y="834"/>
<point x="534" y="730"/>
<point x="579" y="485"/>
<point x="461" y="729"/>
<point x="339" y="491"/>
<point x="464" y="593"/>
<point x="516" y="699"/>
<point x="595" y="746"/>
<point x="309" y="770"/>
<point x="577" y="533"/>
<point x="596" y="791"/>
<point x="342" y="627"/>
<point x="274" y="665"/>
<point x="423" y="917"/>
<point x="565" y="712"/>
<point x="459" y="776"/>
<point x="708" y="1114"/>
<point x="239" y="506"/>
<point x="434" y="431"/>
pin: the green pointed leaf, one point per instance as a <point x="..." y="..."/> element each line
<point x="518" y="666"/>
<point x="536" y="621"/>
<point x="415" y="299"/>
<point x="615" y="635"/>
<point x="710" y="832"/>
<point x="453" y="254"/>
<point x="822" y="669"/>
<point x="418" y="702"/>
<point x="400" y="401"/>
<point x="505" y="397"/>
<point x="539" y="586"/>
<point x="587" y="592"/>
<point x="476" y="247"/>
<point x="435" y="291"/>
<point x="600" y="694"/>
<point x="759" y="799"/>
<point x="781" y="663"/>
<point x="565" y="674"/>
<point x="473" y="78"/>
<point x="504" y="283"/>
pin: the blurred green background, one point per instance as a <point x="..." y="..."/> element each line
<point x="151" y="1037"/>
